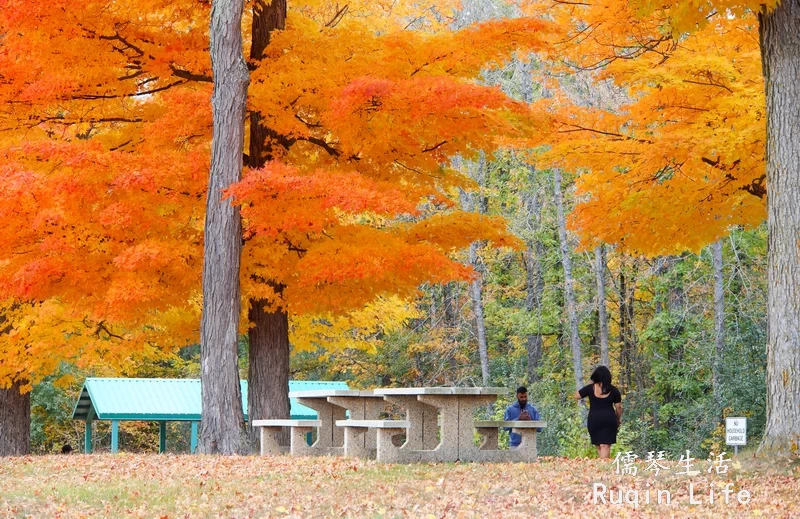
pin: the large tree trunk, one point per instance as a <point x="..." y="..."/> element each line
<point x="780" y="54"/>
<point x="221" y="426"/>
<point x="15" y="421"/>
<point x="268" y="374"/>
<point x="719" y="319"/>
<point x="602" y="315"/>
<point x="566" y="262"/>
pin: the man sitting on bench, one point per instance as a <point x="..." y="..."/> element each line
<point x="520" y="410"/>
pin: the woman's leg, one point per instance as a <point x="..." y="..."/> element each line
<point x="604" y="451"/>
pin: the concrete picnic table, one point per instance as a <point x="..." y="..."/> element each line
<point x="331" y="405"/>
<point x="439" y="426"/>
<point x="457" y="406"/>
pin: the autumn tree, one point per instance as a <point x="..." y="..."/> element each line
<point x="107" y="169"/>
<point x="692" y="136"/>
<point x="354" y="129"/>
<point x="87" y="274"/>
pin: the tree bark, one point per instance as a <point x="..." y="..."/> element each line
<point x="533" y="303"/>
<point x="602" y="315"/>
<point x="533" y="258"/>
<point x="780" y="53"/>
<point x="268" y="372"/>
<point x="719" y="320"/>
<point x="476" y="291"/>
<point x="629" y="357"/>
<point x="566" y="262"/>
<point x="221" y="426"/>
<point x="478" y="203"/>
<point x="15" y="421"/>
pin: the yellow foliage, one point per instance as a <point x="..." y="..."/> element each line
<point x="360" y="329"/>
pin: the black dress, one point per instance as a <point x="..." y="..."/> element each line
<point x="602" y="423"/>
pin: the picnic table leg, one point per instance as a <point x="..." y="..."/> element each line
<point x="361" y="409"/>
<point x="489" y="438"/>
<point x="357" y="412"/>
<point x="328" y="435"/>
<point x="298" y="445"/>
<point x="422" y="420"/>
<point x="448" y="406"/>
<point x="387" y="451"/>
<point x="354" y="446"/>
<point x="467" y="405"/>
<point x="269" y="440"/>
<point x="430" y="427"/>
<point x="527" y="450"/>
<point x="373" y="408"/>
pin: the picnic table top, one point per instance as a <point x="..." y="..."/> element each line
<point x="379" y="424"/>
<point x="522" y="424"/>
<point x="446" y="391"/>
<point x="399" y="391"/>
<point x="325" y="393"/>
<point x="286" y="423"/>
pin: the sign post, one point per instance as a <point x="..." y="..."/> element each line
<point x="736" y="432"/>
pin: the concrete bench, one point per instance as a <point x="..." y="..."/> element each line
<point x="526" y="451"/>
<point x="270" y="431"/>
<point x="354" y="430"/>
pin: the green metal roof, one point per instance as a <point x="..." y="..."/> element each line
<point x="171" y="399"/>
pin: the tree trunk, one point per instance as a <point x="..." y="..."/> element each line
<point x="780" y="53"/>
<point x="533" y="258"/>
<point x="629" y="357"/>
<point x="624" y="350"/>
<point x="719" y="320"/>
<point x="221" y="426"/>
<point x="478" y="203"/>
<point x="15" y="421"/>
<point x="566" y="262"/>
<point x="637" y="369"/>
<point x="268" y="373"/>
<point x="476" y="291"/>
<point x="533" y="303"/>
<point x="602" y="316"/>
<point x="267" y="17"/>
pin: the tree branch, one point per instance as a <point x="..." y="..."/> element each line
<point x="185" y="74"/>
<point x="427" y="150"/>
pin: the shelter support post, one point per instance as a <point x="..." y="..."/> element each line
<point x="194" y="437"/>
<point x="87" y="437"/>
<point x="114" y="435"/>
<point x="162" y="437"/>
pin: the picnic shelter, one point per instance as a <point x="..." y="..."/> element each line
<point x="163" y="400"/>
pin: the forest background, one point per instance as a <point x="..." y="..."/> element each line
<point x="685" y="331"/>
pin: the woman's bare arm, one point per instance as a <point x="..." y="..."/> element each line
<point x="618" y="409"/>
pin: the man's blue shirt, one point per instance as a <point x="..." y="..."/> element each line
<point x="512" y="414"/>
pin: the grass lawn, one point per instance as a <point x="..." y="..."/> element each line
<point x="150" y="485"/>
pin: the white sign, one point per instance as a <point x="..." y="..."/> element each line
<point x="736" y="431"/>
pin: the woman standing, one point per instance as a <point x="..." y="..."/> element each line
<point x="605" y="410"/>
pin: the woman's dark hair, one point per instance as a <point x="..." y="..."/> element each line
<point x="601" y="375"/>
